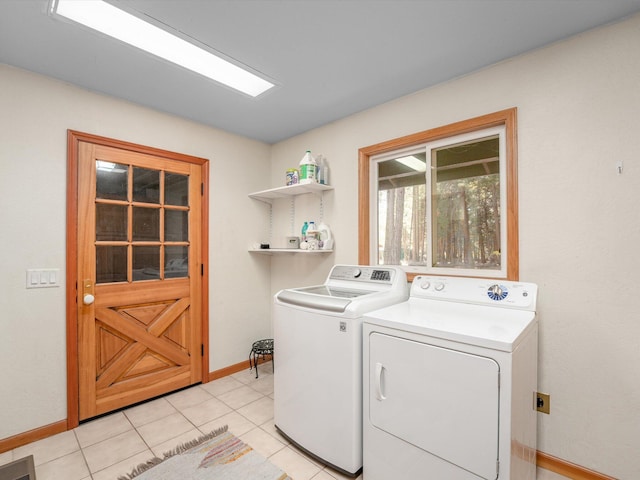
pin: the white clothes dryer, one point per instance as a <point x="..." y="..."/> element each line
<point x="450" y="381"/>
<point x="318" y="360"/>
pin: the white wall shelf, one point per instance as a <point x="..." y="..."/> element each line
<point x="289" y="191"/>
<point x="277" y="251"/>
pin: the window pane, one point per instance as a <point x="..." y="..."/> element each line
<point x="111" y="264"/>
<point x="176" y="226"/>
<point x="402" y="238"/>
<point x="146" y="224"/>
<point x="176" y="189"/>
<point x="111" y="222"/>
<point x="146" y="263"/>
<point x="176" y="262"/>
<point x="146" y="185"/>
<point x="466" y="205"/>
<point x="111" y="180"/>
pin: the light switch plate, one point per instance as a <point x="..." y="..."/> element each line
<point x="43" y="277"/>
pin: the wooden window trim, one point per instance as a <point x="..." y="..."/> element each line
<point x="508" y="118"/>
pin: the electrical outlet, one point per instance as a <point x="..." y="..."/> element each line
<point x="543" y="402"/>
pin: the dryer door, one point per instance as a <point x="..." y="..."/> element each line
<point x="443" y="401"/>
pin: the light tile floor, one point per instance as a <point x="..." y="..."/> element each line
<point x="113" y="445"/>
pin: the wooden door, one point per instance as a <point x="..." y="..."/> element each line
<point x="139" y="276"/>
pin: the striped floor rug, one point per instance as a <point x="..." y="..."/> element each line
<point x="216" y="456"/>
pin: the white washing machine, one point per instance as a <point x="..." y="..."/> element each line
<point x="450" y="381"/>
<point x="318" y="360"/>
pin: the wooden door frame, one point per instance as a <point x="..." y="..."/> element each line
<point x="73" y="140"/>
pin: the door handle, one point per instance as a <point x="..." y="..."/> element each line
<point x="87" y="295"/>
<point x="379" y="387"/>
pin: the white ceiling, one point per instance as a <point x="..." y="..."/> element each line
<point x="329" y="58"/>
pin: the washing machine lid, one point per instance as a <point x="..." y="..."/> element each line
<point x="350" y="290"/>
<point x="490" y="327"/>
<point x="320" y="297"/>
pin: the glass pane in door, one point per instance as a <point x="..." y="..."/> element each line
<point x="146" y="224"/>
<point x="176" y="225"/>
<point x="176" y="262"/>
<point x="111" y="180"/>
<point x="146" y="263"/>
<point x="146" y="185"/>
<point x="111" y="264"/>
<point x="176" y="189"/>
<point x="111" y="222"/>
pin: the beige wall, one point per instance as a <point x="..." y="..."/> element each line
<point x="578" y="107"/>
<point x="36" y="113"/>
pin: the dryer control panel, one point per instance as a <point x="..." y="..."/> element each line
<point x="480" y="291"/>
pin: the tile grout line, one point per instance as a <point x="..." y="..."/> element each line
<point x="84" y="458"/>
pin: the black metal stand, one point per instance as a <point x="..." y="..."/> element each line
<point x="260" y="349"/>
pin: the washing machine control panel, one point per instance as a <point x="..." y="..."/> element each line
<point x="362" y="273"/>
<point x="479" y="291"/>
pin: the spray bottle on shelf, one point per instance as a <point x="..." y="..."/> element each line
<point x="308" y="169"/>
<point x="305" y="227"/>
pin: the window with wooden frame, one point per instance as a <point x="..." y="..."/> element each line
<point x="443" y="201"/>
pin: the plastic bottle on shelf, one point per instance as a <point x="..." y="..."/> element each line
<point x="323" y="170"/>
<point x="319" y="168"/>
<point x="312" y="236"/>
<point x="305" y="227"/>
<point x="308" y="169"/>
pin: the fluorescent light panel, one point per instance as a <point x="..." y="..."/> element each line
<point x="128" y="28"/>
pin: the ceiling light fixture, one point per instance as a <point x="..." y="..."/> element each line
<point x="117" y="23"/>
